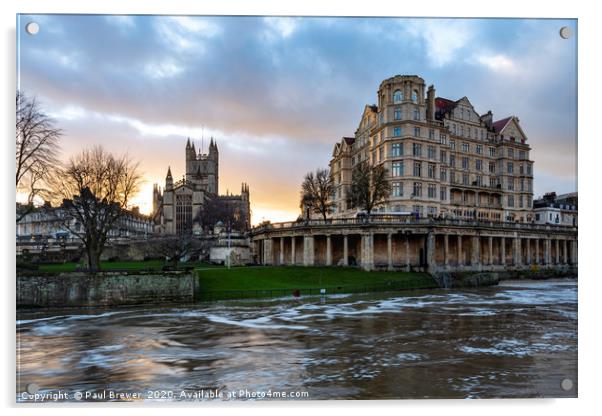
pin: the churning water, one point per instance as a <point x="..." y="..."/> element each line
<point x="515" y="340"/>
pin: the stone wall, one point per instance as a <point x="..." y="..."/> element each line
<point x="103" y="289"/>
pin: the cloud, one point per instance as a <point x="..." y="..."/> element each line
<point x="278" y="92"/>
<point x="443" y="39"/>
<point x="496" y="62"/>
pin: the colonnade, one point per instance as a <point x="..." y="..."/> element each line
<point x="411" y="250"/>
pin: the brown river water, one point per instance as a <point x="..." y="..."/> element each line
<point x="518" y="339"/>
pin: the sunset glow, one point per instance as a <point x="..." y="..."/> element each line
<point x="275" y="92"/>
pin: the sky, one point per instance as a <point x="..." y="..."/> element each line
<point x="277" y="93"/>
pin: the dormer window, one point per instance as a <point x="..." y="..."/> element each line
<point x="397" y="96"/>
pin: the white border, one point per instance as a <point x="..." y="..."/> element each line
<point x="590" y="95"/>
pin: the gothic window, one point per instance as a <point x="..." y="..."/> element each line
<point x="183" y="214"/>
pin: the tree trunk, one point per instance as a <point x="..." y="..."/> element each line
<point x="93" y="260"/>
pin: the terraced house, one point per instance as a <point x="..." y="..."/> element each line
<point x="442" y="157"/>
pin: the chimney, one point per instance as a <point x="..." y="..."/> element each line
<point x="430" y="103"/>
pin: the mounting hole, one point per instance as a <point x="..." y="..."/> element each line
<point x="567" y="384"/>
<point x="32" y="28"/>
<point x="565" y="32"/>
<point x="32" y="388"/>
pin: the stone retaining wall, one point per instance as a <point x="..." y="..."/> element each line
<point x="103" y="289"/>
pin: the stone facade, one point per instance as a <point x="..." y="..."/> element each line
<point x="442" y="157"/>
<point x="177" y="207"/>
<point x="431" y="245"/>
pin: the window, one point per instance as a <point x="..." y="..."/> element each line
<point x="493" y="182"/>
<point x="443" y="156"/>
<point x="397" y="113"/>
<point x="431" y="170"/>
<point x="396" y="149"/>
<point x="479" y="164"/>
<point x="397" y="131"/>
<point x="511" y="184"/>
<point x="397" y="168"/>
<point x="432" y="211"/>
<point x="417" y="149"/>
<point x="416" y="114"/>
<point x="431" y="134"/>
<point x="415" y="96"/>
<point x="432" y="152"/>
<point x="417" y="131"/>
<point x="432" y="191"/>
<point x="479" y="149"/>
<point x="522" y="185"/>
<point x="381" y="151"/>
<point x="397" y="96"/>
<point x="452" y="161"/>
<point x="442" y="138"/>
<point x="522" y="155"/>
<point x="465" y="178"/>
<point x="443" y="174"/>
<point x="511" y="200"/>
<point x="417" y="189"/>
<point x="465" y="147"/>
<point x="491" y="167"/>
<point x="492" y="152"/>
<point x="397" y="189"/>
<point x="443" y="193"/>
<point x="510" y="167"/>
<point x="464" y="163"/>
<point x="520" y="201"/>
<point x="452" y="144"/>
<point x="417" y="169"/>
<point x="511" y="153"/>
<point x="521" y="169"/>
<point x="528" y="169"/>
<point x="479" y="180"/>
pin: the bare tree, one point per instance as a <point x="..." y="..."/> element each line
<point x="316" y="192"/>
<point x="173" y="248"/>
<point x="369" y="186"/>
<point x="95" y="188"/>
<point x="219" y="209"/>
<point x="36" y="148"/>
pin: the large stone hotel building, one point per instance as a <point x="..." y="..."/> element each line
<point x="442" y="157"/>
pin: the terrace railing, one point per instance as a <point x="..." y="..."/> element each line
<point x="408" y="220"/>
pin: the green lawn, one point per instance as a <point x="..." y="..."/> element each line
<point x="119" y="265"/>
<point x="223" y="283"/>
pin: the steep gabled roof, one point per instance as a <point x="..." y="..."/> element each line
<point x="499" y="125"/>
<point x="349" y="140"/>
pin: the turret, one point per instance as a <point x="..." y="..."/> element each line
<point x="168" y="180"/>
<point x="213" y="152"/>
<point x="244" y="192"/>
<point x="190" y="152"/>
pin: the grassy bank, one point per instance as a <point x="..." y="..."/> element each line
<point x="119" y="265"/>
<point x="255" y="282"/>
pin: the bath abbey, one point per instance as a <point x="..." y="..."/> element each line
<point x="193" y="203"/>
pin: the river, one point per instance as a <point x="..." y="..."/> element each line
<point x="518" y="339"/>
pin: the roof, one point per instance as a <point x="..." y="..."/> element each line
<point x="500" y="124"/>
<point x="443" y="103"/>
<point x="349" y="140"/>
